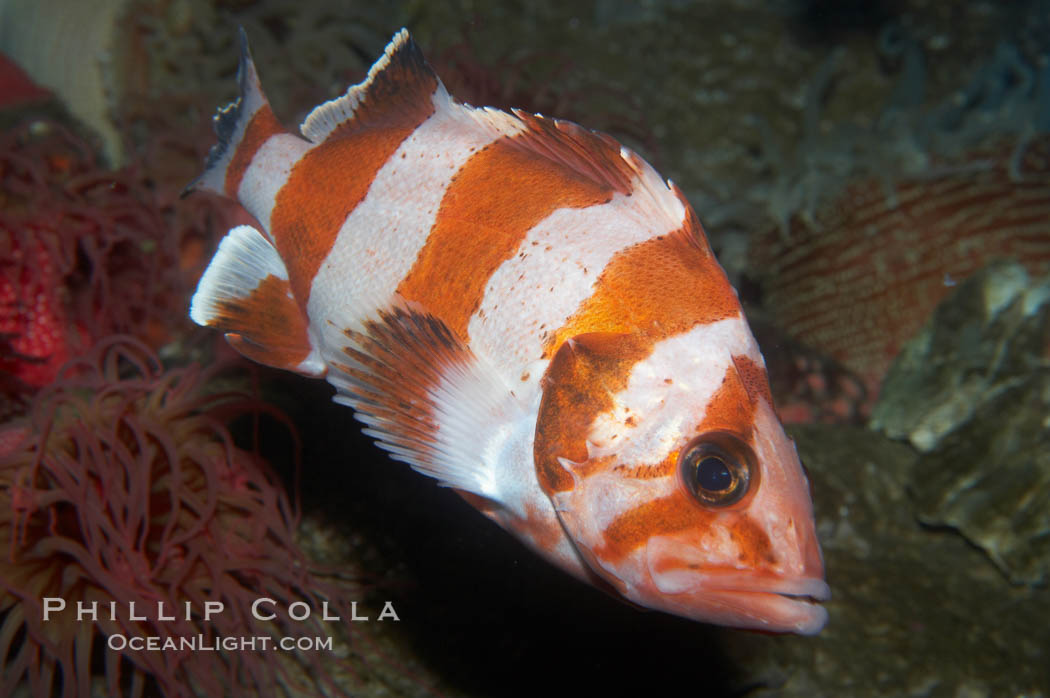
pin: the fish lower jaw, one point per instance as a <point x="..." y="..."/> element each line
<point x="812" y="589"/>
<point x="783" y="605"/>
<point x="765" y="611"/>
<point x="742" y="600"/>
<point x="796" y="614"/>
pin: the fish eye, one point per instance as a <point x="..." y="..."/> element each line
<point x="716" y="469"/>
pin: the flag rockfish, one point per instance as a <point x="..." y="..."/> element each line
<point x="524" y="310"/>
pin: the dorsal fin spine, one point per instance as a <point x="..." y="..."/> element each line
<point x="400" y="80"/>
<point x="250" y="109"/>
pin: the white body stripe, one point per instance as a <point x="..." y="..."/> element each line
<point x="552" y="273"/>
<point x="696" y="362"/>
<point x="267" y="173"/>
<point x="381" y="238"/>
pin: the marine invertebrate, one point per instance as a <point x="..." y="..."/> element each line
<point x="123" y="485"/>
<point x="85" y="253"/>
<point x="1006" y="98"/>
<point x="33" y="320"/>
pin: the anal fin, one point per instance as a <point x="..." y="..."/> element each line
<point x="245" y="293"/>
<point x="428" y="399"/>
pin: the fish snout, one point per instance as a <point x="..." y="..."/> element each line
<point x="684" y="583"/>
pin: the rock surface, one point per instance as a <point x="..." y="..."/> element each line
<point x="972" y="392"/>
<point x="984" y="339"/>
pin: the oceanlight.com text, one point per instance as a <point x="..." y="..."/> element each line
<point x="202" y="643"/>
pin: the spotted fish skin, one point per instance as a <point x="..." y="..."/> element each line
<point x="526" y="311"/>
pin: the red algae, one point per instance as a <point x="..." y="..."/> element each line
<point x="123" y="485"/>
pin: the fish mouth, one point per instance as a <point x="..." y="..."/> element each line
<point x="785" y="605"/>
<point x="770" y="603"/>
<point x="782" y="612"/>
<point x="806" y="589"/>
<point x="799" y="598"/>
<point x="779" y="600"/>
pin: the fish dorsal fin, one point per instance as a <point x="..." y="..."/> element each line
<point x="601" y="159"/>
<point x="425" y="396"/>
<point x="398" y="86"/>
<point x="595" y="155"/>
<point x="241" y="127"/>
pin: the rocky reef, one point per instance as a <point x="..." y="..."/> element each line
<point x="971" y="392"/>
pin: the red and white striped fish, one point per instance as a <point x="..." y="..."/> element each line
<point x="526" y="311"/>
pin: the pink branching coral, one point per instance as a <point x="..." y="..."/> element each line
<point x="123" y="485"/>
<point x="84" y="253"/>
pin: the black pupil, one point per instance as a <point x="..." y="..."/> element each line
<point x="713" y="475"/>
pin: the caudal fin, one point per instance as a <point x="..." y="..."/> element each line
<point x="242" y="127"/>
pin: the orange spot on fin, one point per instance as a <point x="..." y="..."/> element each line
<point x="245" y="292"/>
